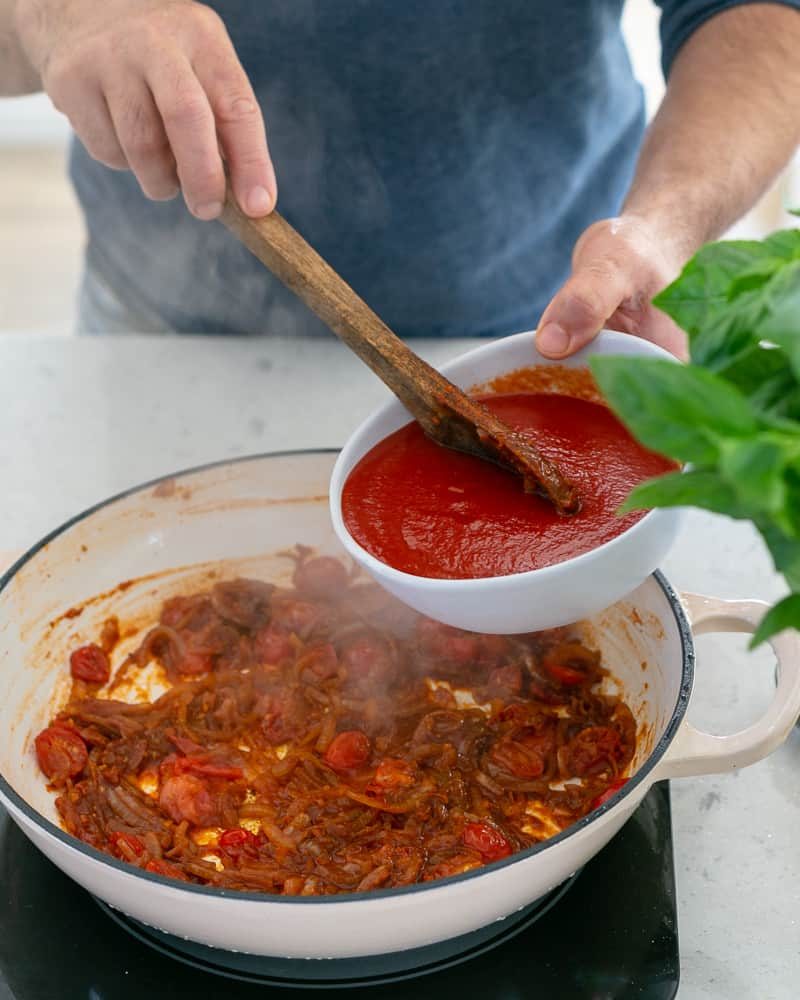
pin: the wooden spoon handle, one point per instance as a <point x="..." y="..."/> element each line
<point x="445" y="413"/>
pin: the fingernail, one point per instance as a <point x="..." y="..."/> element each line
<point x="208" y="211"/>
<point x="552" y="339"/>
<point x="259" y="201"/>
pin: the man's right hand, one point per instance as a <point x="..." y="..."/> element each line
<point x="154" y="87"/>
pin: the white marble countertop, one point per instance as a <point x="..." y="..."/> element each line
<point x="83" y="419"/>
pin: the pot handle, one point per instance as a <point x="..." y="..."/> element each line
<point x="693" y="751"/>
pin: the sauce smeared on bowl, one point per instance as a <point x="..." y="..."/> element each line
<point x="425" y="510"/>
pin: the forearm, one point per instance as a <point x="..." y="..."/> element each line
<point x="728" y="124"/>
<point x="17" y="76"/>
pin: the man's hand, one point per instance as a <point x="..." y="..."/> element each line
<point x="618" y="265"/>
<point x="154" y="87"/>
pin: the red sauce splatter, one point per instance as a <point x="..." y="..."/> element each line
<point x="433" y="512"/>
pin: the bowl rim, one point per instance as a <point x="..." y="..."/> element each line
<point x="506" y="581"/>
<point x="10" y="795"/>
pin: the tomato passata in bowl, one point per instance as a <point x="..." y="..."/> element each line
<point x="458" y="539"/>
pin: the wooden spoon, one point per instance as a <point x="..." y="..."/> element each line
<point x="446" y="414"/>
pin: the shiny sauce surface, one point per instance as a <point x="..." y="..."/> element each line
<point x="426" y="510"/>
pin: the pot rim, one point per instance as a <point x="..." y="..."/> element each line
<point x="9" y="794"/>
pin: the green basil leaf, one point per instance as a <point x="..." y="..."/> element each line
<point x="700" y="293"/>
<point x="785" y="550"/>
<point x="679" y="410"/>
<point x="693" y="488"/>
<point x="755" y="276"/>
<point x="781" y="323"/>
<point x="785" y="614"/>
<point x="754" y="468"/>
<point x="785" y="243"/>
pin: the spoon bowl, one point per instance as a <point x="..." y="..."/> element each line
<point x="522" y="602"/>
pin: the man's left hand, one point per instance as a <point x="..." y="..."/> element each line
<point x="618" y="265"/>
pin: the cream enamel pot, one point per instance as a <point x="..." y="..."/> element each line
<point x="163" y="536"/>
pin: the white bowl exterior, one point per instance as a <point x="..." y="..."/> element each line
<point x="523" y="602"/>
<point x="228" y="513"/>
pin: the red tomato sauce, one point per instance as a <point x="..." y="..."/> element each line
<point x="433" y="512"/>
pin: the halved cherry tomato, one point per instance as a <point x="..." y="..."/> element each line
<point x="159" y="867"/>
<point x="195" y="765"/>
<point x="487" y="840"/>
<point x="348" y="750"/>
<point x="612" y="789"/>
<point x="322" y="660"/>
<point x="392" y="772"/>
<point x="593" y="749"/>
<point x="273" y="645"/>
<point x="90" y="663"/>
<point x="322" y="576"/>
<point x="517" y="758"/>
<point x="299" y="617"/>
<point x="126" y="844"/>
<point x="61" y="752"/>
<point x="238" y="839"/>
<point x="567" y="676"/>
<point x="185" y="797"/>
<point x="366" y="658"/>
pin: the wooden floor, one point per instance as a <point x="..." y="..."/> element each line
<point x="41" y="241"/>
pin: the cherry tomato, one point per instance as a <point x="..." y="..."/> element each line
<point x="159" y="867"/>
<point x="90" y="663"/>
<point x="492" y="648"/>
<point x="237" y="840"/>
<point x="186" y="797"/>
<point x="487" y="840"/>
<point x="594" y="749"/>
<point x="61" y="752"/>
<point x="569" y="663"/>
<point x="517" y="758"/>
<point x="193" y="765"/>
<point x="193" y="663"/>
<point x="392" y="772"/>
<point x="612" y="789"/>
<point x="567" y="676"/>
<point x="366" y="658"/>
<point x="322" y="660"/>
<point x="273" y="645"/>
<point x="299" y="617"/>
<point x="126" y="844"/>
<point x="321" y="577"/>
<point x="508" y="678"/>
<point x="348" y="750"/>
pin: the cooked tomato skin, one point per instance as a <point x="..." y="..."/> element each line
<point x="487" y="840"/>
<point x="61" y="752"/>
<point x="348" y="750"/>
<point x="90" y="663"/>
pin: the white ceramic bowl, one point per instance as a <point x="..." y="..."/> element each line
<point x="162" y="537"/>
<point x="522" y="602"/>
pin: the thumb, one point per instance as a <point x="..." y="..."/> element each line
<point x="579" y="310"/>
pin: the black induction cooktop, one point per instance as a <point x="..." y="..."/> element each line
<point x="610" y="934"/>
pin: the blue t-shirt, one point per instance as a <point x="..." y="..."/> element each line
<point x="443" y="156"/>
